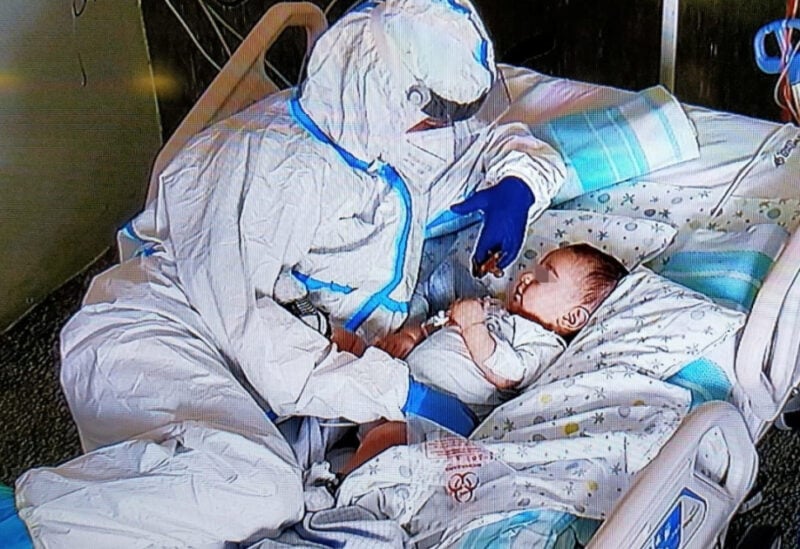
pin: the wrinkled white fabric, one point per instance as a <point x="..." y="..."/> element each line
<point x="358" y="77"/>
<point x="572" y="447"/>
<point x="183" y="485"/>
<point x="186" y="328"/>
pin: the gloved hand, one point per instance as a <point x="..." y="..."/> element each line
<point x="505" y="215"/>
<point x="447" y="411"/>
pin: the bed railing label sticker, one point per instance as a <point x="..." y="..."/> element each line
<point x="681" y="523"/>
<point x="783" y="154"/>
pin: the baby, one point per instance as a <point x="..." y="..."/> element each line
<point x="487" y="351"/>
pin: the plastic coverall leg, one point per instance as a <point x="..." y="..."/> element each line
<point x="181" y="455"/>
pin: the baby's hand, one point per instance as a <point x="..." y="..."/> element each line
<point x="400" y="343"/>
<point x="467" y="312"/>
<point x="347" y="341"/>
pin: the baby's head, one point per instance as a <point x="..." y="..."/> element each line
<point x="566" y="287"/>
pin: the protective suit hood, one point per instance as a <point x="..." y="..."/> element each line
<point x="362" y="69"/>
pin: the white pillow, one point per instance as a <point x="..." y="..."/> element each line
<point x="648" y="324"/>
<point x="631" y="241"/>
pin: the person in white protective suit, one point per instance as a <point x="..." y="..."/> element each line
<point x="325" y="192"/>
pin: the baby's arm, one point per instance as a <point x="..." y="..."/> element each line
<point x="469" y="316"/>
<point x="348" y="341"/>
<point x="401" y="342"/>
<point x="530" y="349"/>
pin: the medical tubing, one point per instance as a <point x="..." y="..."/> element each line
<point x="783" y="93"/>
<point x="434" y="324"/>
<point x="192" y="37"/>
<point x="717" y="210"/>
<point x="790" y="95"/>
<point x="213" y="22"/>
<point x="396" y="183"/>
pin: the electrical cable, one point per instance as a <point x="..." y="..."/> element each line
<point x="76" y="13"/>
<point x="224" y="23"/>
<point x="328" y="8"/>
<point x="794" y="5"/>
<point x="231" y="3"/>
<point x="193" y="38"/>
<point x="233" y="31"/>
<point x="216" y="28"/>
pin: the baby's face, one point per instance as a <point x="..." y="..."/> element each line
<point x="550" y="290"/>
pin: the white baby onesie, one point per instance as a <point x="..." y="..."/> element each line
<point x="523" y="349"/>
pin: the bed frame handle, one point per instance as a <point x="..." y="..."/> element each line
<point x="642" y="512"/>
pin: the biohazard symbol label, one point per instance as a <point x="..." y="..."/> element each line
<point x="462" y="486"/>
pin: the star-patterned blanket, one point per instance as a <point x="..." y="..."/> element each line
<point x="573" y="441"/>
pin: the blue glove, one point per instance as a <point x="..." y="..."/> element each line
<point x="505" y="215"/>
<point x="447" y="411"/>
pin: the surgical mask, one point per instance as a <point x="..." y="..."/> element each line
<point x="426" y="154"/>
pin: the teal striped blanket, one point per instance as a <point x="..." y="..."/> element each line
<point x="601" y="147"/>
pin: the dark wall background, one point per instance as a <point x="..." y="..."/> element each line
<point x="614" y="42"/>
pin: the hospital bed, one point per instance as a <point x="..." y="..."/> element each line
<point x="673" y="501"/>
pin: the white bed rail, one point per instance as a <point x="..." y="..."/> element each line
<point x="242" y="80"/>
<point x="767" y="358"/>
<point x="671" y="499"/>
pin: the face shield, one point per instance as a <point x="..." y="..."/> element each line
<point x="440" y="112"/>
<point x="439" y="108"/>
<point x="442" y="138"/>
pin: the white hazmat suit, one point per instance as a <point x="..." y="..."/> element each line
<point x="177" y="352"/>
